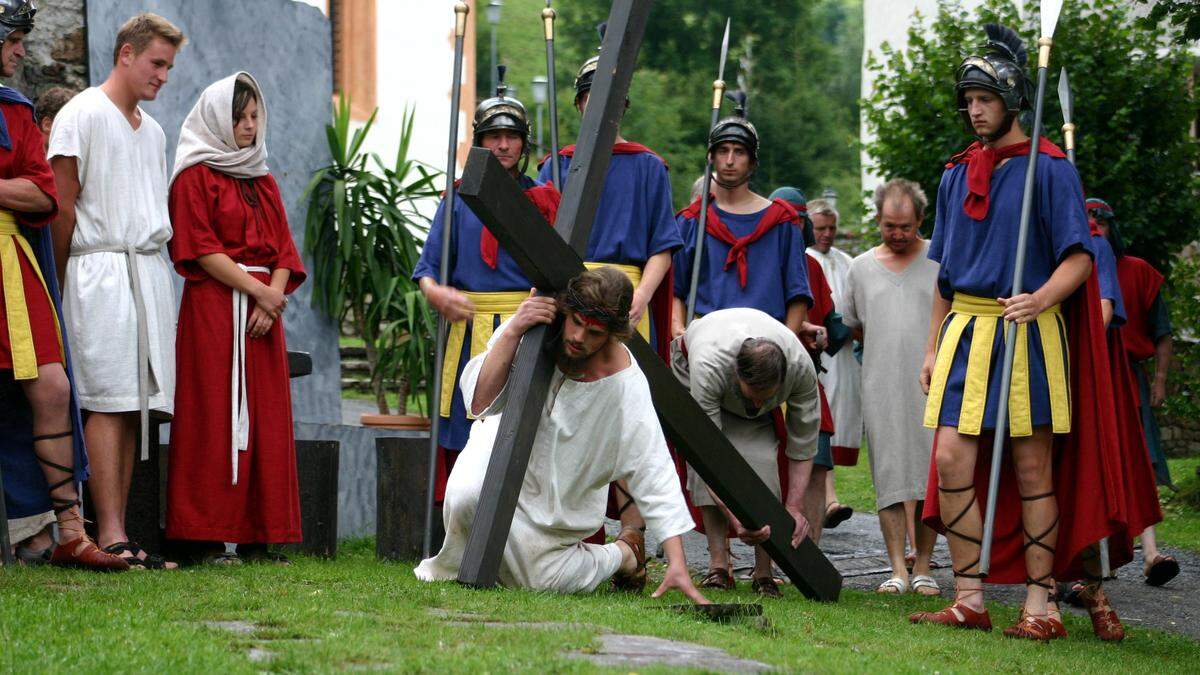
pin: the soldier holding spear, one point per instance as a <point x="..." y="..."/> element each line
<point x="1009" y="219"/>
<point x="462" y="271"/>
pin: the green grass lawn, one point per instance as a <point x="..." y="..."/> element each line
<point x="357" y="613"/>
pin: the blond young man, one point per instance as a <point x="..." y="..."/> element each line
<point x="110" y="168"/>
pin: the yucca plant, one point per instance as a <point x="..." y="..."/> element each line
<point x="364" y="232"/>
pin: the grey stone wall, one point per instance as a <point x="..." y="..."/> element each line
<point x="286" y="46"/>
<point x="56" y="50"/>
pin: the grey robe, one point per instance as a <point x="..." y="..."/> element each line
<point x="707" y="370"/>
<point x="893" y="312"/>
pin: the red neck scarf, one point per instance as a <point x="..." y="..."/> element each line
<point x="544" y="197"/>
<point x="777" y="213"/>
<point x="981" y="161"/>
<point x="623" y="148"/>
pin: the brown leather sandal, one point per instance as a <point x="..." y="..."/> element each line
<point x="719" y="579"/>
<point x="1031" y="627"/>
<point x="1105" y="622"/>
<point x="635" y="581"/>
<point x="956" y="615"/>
<point x="79" y="551"/>
<point x="766" y="587"/>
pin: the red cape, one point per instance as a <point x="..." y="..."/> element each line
<point x="1095" y="498"/>
<point x="624" y="148"/>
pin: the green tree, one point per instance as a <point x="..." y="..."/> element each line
<point x="1133" y="110"/>
<point x="799" y="59"/>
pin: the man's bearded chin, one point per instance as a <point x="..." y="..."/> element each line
<point x="574" y="364"/>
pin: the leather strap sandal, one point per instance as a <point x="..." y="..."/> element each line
<point x="78" y="550"/>
<point x="719" y="579"/>
<point x="957" y="615"/>
<point x="635" y="581"/>
<point x="766" y="587"/>
<point x="1105" y="622"/>
<point x="950" y="531"/>
<point x="1031" y="627"/>
<point x="134" y="559"/>
<point x="1163" y="569"/>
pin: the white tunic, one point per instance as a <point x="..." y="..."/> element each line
<point x="712" y="343"/>
<point x="591" y="434"/>
<point x="893" y="311"/>
<point x="841" y="376"/>
<point x="122" y="205"/>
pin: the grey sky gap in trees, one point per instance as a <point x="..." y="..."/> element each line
<point x="550" y="258"/>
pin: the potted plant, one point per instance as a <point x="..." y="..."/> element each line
<point x="364" y="232"/>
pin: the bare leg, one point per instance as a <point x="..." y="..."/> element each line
<point x="110" y="439"/>
<point x="1039" y="515"/>
<point x="630" y="515"/>
<point x="1149" y="548"/>
<point x="50" y="399"/>
<point x="39" y="542"/>
<point x="716" y="527"/>
<point x="814" y="502"/>
<point x="891" y="524"/>
<point x="926" y="538"/>
<point x="910" y="525"/>
<point x="830" y="489"/>
<point x="956" y="455"/>
<point x="762" y="563"/>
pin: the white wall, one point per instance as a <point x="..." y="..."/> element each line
<point x="888" y="21"/>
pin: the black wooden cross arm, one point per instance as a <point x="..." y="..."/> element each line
<point x="550" y="263"/>
<point x="529" y="382"/>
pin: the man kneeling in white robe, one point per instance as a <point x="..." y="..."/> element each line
<point x="598" y="426"/>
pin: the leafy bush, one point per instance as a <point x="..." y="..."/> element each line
<point x="362" y="233"/>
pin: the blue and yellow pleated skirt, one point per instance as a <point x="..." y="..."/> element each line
<point x="964" y="390"/>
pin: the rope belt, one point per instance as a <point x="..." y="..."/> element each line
<point x="635" y="277"/>
<point x="239" y="405"/>
<point x="131" y="253"/>
<point x="20" y="332"/>
<point x="985" y="314"/>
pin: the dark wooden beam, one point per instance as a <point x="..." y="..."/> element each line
<point x="299" y="364"/>
<point x="529" y="382"/>
<point x="548" y="260"/>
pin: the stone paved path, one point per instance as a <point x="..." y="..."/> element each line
<point x="857" y="550"/>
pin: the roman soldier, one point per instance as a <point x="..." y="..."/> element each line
<point x="1062" y="469"/>
<point x="486" y="284"/>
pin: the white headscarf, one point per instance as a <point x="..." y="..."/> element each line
<point x="207" y="133"/>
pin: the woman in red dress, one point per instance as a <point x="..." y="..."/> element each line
<point x="232" y="469"/>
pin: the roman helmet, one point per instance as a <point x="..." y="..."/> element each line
<point x="735" y="128"/>
<point x="501" y="112"/>
<point x="1000" y="69"/>
<point x="16" y="15"/>
<point x="587" y="72"/>
<point x="1099" y="209"/>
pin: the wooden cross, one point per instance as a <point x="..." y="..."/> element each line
<point x="551" y="258"/>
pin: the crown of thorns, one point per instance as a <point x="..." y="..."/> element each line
<point x="612" y="319"/>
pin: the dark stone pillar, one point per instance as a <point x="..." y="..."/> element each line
<point x="402" y="466"/>
<point x="317" y="473"/>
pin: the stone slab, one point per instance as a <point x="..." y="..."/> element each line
<point x="286" y="46"/>
<point x="635" y="651"/>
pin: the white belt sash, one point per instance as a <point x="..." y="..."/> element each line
<point x="239" y="406"/>
<point x="143" y="332"/>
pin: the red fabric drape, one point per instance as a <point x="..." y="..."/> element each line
<point x="777" y="213"/>
<point x="544" y="197"/>
<point x="981" y="160"/>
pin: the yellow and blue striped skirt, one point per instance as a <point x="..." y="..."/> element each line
<point x="965" y="387"/>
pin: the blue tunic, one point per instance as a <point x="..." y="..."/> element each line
<point x="1110" y="285"/>
<point x="977" y="258"/>
<point x="777" y="274"/>
<point x="635" y="219"/>
<point x="468" y="272"/>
